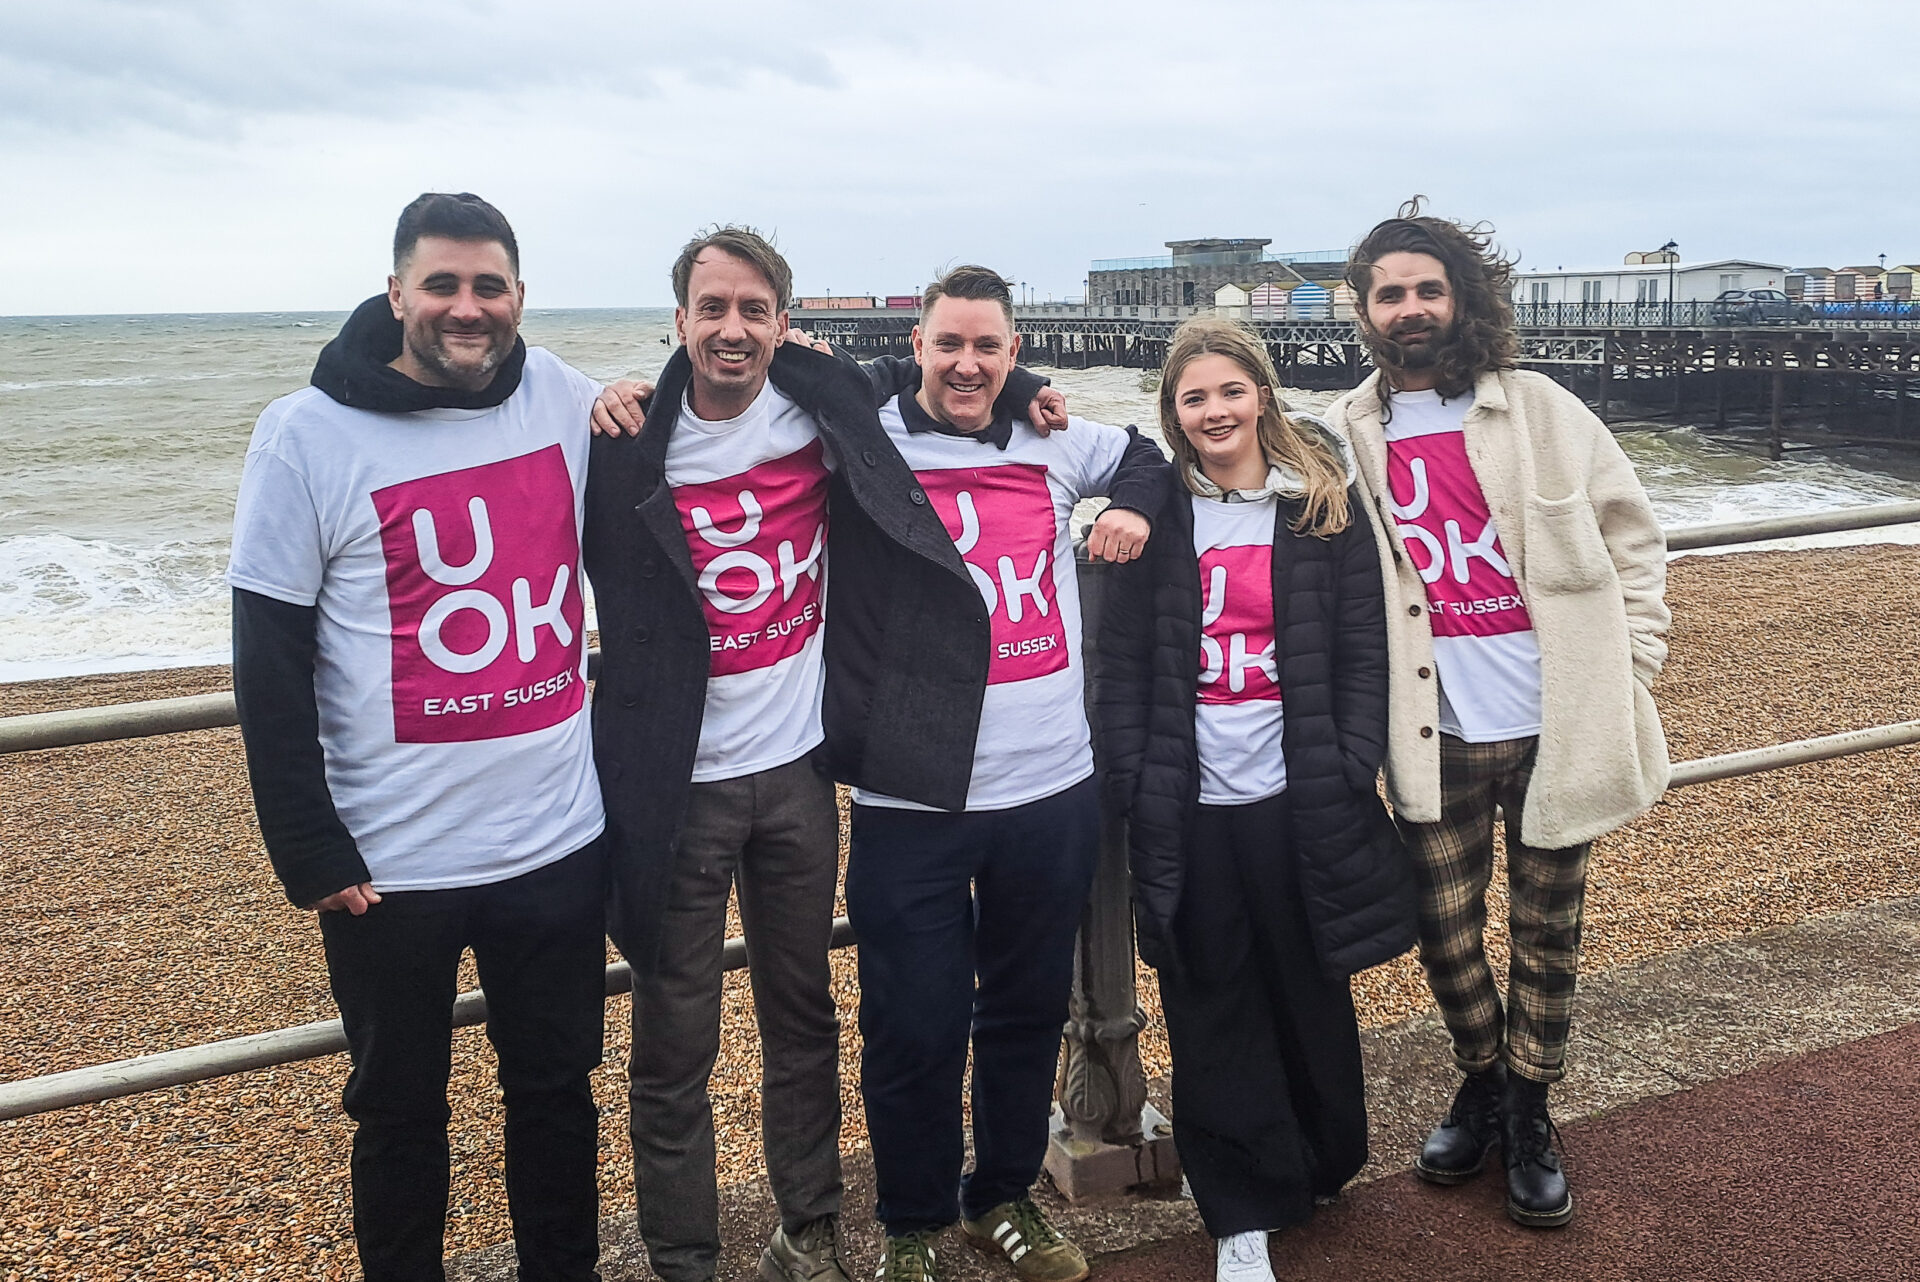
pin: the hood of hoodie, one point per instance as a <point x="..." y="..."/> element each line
<point x="353" y="369"/>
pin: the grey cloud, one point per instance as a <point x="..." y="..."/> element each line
<point x="205" y="67"/>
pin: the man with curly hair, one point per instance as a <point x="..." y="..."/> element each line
<point x="1525" y="577"/>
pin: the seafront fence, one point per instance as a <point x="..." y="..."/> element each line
<point x="1103" y="1095"/>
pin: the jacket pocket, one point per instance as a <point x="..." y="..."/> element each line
<point x="1564" y="550"/>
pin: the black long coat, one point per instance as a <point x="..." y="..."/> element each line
<point x="1331" y="653"/>
<point x="895" y="586"/>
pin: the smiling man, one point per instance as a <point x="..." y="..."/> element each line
<point x="973" y="846"/>
<point x="410" y="668"/>
<point x="1524" y="576"/>
<point x="761" y="474"/>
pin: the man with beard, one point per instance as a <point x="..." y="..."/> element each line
<point x="410" y="669"/>
<point x="1524" y="576"/>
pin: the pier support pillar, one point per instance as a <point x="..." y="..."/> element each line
<point x="1774" y="448"/>
<point x="1606" y="379"/>
<point x="1105" y="1138"/>
<point x="1719" y="394"/>
<point x="1899" y="403"/>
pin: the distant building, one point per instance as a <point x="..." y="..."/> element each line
<point x="837" y="303"/>
<point x="1647" y="281"/>
<point x="1196" y="269"/>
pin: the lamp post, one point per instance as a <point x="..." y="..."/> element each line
<point x="1672" y="251"/>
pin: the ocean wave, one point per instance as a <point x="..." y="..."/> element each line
<point x="79" y="605"/>
<point x="135" y="380"/>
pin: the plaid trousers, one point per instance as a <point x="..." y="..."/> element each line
<point x="1453" y="860"/>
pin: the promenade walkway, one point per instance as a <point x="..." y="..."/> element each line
<point x="1743" y="1110"/>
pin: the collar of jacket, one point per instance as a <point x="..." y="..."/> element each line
<point x="840" y="400"/>
<point x="998" y="433"/>
<point x="354" y="369"/>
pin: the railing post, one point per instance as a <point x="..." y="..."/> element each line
<point x="1106" y="1138"/>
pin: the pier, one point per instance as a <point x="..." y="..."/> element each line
<point x="1849" y="367"/>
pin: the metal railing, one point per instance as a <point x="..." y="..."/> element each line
<point x="1112" y="1007"/>
<point x="1888" y="313"/>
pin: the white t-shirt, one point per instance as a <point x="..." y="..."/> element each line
<point x="752" y="497"/>
<point x="442" y="549"/>
<point x="1483" y="640"/>
<point x="1007" y="511"/>
<point x="1237" y="718"/>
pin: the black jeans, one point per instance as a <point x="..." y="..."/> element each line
<point x="966" y="924"/>
<point x="1269" y="1102"/>
<point x="538" y="941"/>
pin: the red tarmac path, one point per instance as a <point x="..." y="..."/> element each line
<point x="1804" y="1171"/>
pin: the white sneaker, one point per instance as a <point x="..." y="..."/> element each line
<point x="1242" y="1258"/>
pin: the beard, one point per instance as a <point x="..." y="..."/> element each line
<point x="1393" y="351"/>
<point x="467" y="371"/>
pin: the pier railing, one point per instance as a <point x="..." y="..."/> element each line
<point x="1715" y="314"/>
<point x="1105" y="1096"/>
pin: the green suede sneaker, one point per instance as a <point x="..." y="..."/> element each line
<point x="1021" y="1232"/>
<point x="908" y="1258"/>
<point x="811" y="1255"/>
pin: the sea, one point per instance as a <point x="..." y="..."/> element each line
<point x="123" y="436"/>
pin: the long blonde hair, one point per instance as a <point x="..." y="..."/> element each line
<point x="1284" y="441"/>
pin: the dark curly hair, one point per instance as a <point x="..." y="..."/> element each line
<point x="1480" y="276"/>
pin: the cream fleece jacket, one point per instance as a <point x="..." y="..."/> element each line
<point x="1591" y="562"/>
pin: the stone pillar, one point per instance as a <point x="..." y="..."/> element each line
<point x="1106" y="1139"/>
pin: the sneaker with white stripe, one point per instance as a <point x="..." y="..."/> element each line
<point x="1021" y="1233"/>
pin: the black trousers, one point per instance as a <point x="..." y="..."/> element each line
<point x="966" y="925"/>
<point x="1269" y="1103"/>
<point x="538" y="941"/>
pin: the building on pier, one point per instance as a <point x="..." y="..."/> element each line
<point x="1196" y="270"/>
<point x="1647" y="282"/>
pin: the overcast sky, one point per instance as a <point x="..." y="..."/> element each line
<point x="202" y="155"/>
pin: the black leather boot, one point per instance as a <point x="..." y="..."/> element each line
<point x="1457" y="1149"/>
<point x="1537" y="1193"/>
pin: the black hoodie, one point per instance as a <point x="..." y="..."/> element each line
<point x="274" y="645"/>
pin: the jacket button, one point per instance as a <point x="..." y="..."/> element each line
<point x="866" y="456"/>
<point x="640" y="634"/>
<point x="649" y="568"/>
<point x="1414" y="610"/>
<point x="1426" y="672"/>
<point x="1426" y="732"/>
<point x="628" y="700"/>
<point x="918" y="496"/>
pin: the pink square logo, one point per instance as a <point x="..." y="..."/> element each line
<point x="484" y="593"/>
<point x="756" y="540"/>
<point x="1236" y="625"/>
<point x="1002" y="521"/>
<point x="1448" y="531"/>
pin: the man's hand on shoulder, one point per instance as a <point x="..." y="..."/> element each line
<point x="621" y="408"/>
<point x="1120" y="534"/>
<point x="805" y="339"/>
<point x="1048" y="413"/>
<point x="354" y="899"/>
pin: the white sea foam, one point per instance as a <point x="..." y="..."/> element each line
<point x="76" y="605"/>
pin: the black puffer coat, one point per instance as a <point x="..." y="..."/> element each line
<point x="1331" y="653"/>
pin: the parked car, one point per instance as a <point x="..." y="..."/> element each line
<point x="1758" y="307"/>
